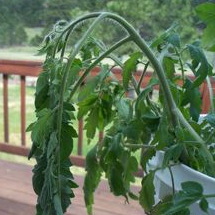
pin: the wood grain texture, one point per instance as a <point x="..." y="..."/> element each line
<point x="17" y="196"/>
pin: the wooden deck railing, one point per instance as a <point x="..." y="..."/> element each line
<point x="25" y="69"/>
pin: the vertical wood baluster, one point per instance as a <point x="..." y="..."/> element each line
<point x="5" y="105"/>
<point x="205" y="98"/>
<point x="23" y="110"/>
<point x="80" y="136"/>
<point x="101" y="135"/>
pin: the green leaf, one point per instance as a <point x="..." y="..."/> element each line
<point x="93" y="83"/>
<point x="208" y="39"/>
<point x="163" y="206"/>
<point x="67" y="184"/>
<point x="86" y="105"/>
<point x="200" y="66"/>
<point x="115" y="148"/>
<point x="163" y="136"/>
<point x="174" y="39"/>
<point x="116" y="179"/>
<point x="52" y="144"/>
<point x="181" y="202"/>
<point x="42" y="82"/>
<point x="136" y="131"/>
<point x="42" y="88"/>
<point x="32" y="150"/>
<point x="123" y="106"/>
<point x="203" y="204"/>
<point x="130" y="166"/>
<point x="30" y="127"/>
<point x="191" y="193"/>
<point x="173" y="153"/>
<point x="164" y="37"/>
<point x="38" y="174"/>
<point x="153" y="82"/>
<point x="169" y="67"/>
<point x="146" y="156"/>
<point x="42" y="127"/>
<point x="129" y="67"/>
<point x="91" y="123"/>
<point x="192" y="187"/>
<point x="92" y="178"/>
<point x="73" y="73"/>
<point x="68" y="106"/>
<point x="192" y="96"/>
<point x="206" y="13"/>
<point x="133" y="196"/>
<point x="67" y="135"/>
<point x="147" y="192"/>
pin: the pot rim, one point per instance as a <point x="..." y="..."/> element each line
<point x="187" y="168"/>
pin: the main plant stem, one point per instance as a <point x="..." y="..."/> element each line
<point x="63" y="87"/>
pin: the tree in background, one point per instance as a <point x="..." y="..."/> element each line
<point x="153" y="17"/>
<point x="150" y="17"/>
<point x="52" y="11"/>
<point x="31" y="12"/>
<point x="55" y="10"/>
<point x="11" y="28"/>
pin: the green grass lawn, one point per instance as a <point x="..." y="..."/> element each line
<point x="15" y="119"/>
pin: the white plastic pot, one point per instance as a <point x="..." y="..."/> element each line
<point x="182" y="173"/>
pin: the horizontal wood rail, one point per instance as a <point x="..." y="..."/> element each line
<point x="25" y="69"/>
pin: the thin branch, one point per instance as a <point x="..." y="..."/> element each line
<point x="138" y="146"/>
<point x="142" y="76"/>
<point x="72" y="25"/>
<point x="181" y="64"/>
<point x="172" y="180"/>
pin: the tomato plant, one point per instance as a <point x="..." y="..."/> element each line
<point x="168" y="123"/>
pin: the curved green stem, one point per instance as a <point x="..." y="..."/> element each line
<point x="65" y="43"/>
<point x="72" y="25"/>
<point x="142" y="76"/>
<point x="181" y="64"/>
<point x="209" y="196"/>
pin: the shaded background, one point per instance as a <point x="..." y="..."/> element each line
<point x="23" y="23"/>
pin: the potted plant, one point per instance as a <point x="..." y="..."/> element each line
<point x="169" y="124"/>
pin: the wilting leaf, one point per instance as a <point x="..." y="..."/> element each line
<point x="147" y="192"/>
<point x="129" y="67"/>
<point x="92" y="178"/>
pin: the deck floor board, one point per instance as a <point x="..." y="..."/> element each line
<point x="17" y="196"/>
